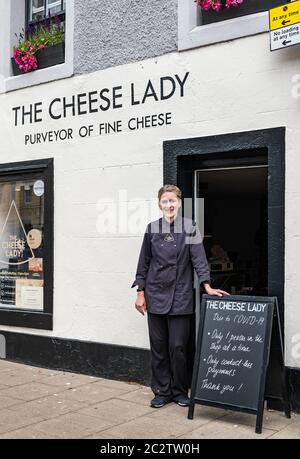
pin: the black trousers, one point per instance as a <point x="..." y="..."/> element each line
<point x="169" y="337"/>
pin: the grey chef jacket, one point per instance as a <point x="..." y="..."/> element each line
<point x="165" y="267"/>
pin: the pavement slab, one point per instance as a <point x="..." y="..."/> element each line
<point x="72" y="425"/>
<point x="291" y="431"/>
<point x="221" y="429"/>
<point x="30" y="391"/>
<point x="92" y="393"/>
<point x="178" y="414"/>
<point x="14" y="419"/>
<point x="40" y="403"/>
<point x="124" y="386"/>
<point x="272" y="420"/>
<point x="148" y="428"/>
<point x="48" y="407"/>
<point x="6" y="402"/>
<point x="142" y="395"/>
<point x="68" y="380"/>
<point x="27" y="433"/>
<point x="117" y="411"/>
<point x="15" y="378"/>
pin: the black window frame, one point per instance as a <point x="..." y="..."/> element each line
<point x="42" y="169"/>
<point x="211" y="17"/>
<point x="28" y="22"/>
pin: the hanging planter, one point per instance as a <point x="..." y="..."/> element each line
<point x="218" y="5"/>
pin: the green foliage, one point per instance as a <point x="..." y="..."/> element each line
<point x="41" y="36"/>
<point x="47" y="36"/>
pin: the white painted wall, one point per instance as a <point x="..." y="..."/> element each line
<point x="233" y="86"/>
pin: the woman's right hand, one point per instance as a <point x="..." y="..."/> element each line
<point x="140" y="303"/>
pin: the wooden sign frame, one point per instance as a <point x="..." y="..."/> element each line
<point x="272" y="315"/>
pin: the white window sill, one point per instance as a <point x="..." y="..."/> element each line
<point x="191" y="35"/>
<point x="55" y="72"/>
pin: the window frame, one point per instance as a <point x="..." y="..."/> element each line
<point x="28" y="21"/>
<point x="24" y="317"/>
<point x="12" y="20"/>
<point x="26" y="200"/>
<point x="192" y="35"/>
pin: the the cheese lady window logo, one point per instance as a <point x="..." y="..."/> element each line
<point x="14" y="248"/>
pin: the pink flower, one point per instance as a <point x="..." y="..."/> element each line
<point x="17" y="53"/>
<point x="206" y="5"/>
<point x="26" y="62"/>
<point x="217" y="5"/>
<point x="234" y="3"/>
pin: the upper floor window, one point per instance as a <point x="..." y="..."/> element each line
<point x="38" y="10"/>
<point x="49" y="26"/>
<point x="243" y="9"/>
<point x="198" y="26"/>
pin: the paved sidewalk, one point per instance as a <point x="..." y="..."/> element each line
<point x="41" y="403"/>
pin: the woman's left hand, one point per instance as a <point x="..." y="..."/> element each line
<point x="214" y="291"/>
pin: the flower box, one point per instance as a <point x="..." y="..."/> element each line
<point x="218" y="5"/>
<point x="15" y="68"/>
<point x="46" y="57"/>
<point x="51" y="55"/>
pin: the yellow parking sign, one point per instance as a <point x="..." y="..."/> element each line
<point x="284" y="15"/>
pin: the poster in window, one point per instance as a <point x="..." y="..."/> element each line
<point x="21" y="246"/>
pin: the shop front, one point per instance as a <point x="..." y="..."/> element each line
<point x="81" y="162"/>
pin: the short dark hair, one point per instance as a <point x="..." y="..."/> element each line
<point x="169" y="188"/>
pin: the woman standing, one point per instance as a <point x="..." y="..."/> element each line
<point x="171" y="249"/>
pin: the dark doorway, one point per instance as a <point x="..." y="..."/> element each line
<point x="265" y="147"/>
<point x="232" y="212"/>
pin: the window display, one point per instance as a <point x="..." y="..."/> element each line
<point x="21" y="244"/>
<point x="26" y="244"/>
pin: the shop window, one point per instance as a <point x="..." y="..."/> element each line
<point x="198" y="28"/>
<point x="26" y="244"/>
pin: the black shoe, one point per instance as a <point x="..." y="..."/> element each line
<point x="182" y="400"/>
<point x="159" y="401"/>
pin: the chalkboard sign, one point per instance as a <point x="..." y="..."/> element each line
<point x="232" y="353"/>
